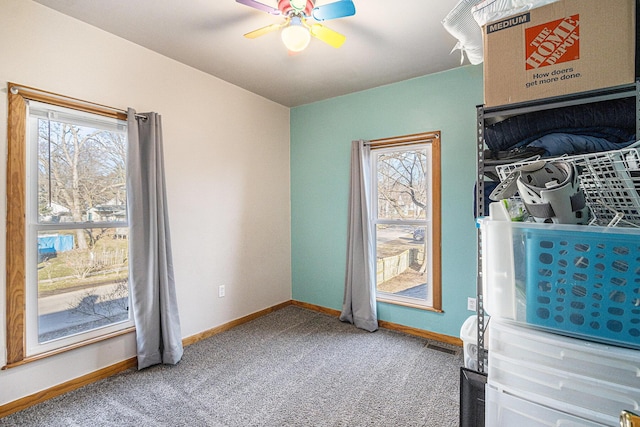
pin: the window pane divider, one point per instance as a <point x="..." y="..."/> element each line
<point x="78" y="225"/>
<point x="401" y="221"/>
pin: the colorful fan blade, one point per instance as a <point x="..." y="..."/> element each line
<point x="327" y="35"/>
<point x="257" y="5"/>
<point x="338" y="9"/>
<point x="264" y="30"/>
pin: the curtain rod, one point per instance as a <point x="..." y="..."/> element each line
<point x="16" y="89"/>
<point x="417" y="138"/>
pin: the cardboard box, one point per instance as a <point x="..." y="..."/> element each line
<point x="565" y="47"/>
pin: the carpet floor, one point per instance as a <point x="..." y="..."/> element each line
<point x="293" y="367"/>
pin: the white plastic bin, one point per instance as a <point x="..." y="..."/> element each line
<point x="504" y="410"/>
<point x="469" y="337"/>
<point x="574" y="280"/>
<point x="575" y="356"/>
<point x="562" y="373"/>
<point x="602" y="401"/>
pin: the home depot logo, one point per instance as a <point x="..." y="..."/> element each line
<point x="553" y="43"/>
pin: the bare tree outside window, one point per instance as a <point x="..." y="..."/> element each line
<point x="402" y="191"/>
<point x="81" y="170"/>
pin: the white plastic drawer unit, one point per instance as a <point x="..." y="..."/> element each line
<point x="582" y="281"/>
<point x="505" y="410"/>
<point x="570" y="375"/>
<point x="598" y="361"/>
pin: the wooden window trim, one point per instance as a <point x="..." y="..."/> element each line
<point x="432" y="138"/>
<point x="16" y="209"/>
<point x="16" y="274"/>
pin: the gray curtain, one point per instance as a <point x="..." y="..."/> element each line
<point x="153" y="296"/>
<point x="359" y="304"/>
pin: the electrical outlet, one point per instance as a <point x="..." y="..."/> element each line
<point x="471" y="304"/>
<point x="221" y="291"/>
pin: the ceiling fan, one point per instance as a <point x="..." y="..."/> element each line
<point x="296" y="31"/>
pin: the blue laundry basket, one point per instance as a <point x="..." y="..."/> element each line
<point x="584" y="281"/>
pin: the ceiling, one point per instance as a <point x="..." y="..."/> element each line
<point x="387" y="41"/>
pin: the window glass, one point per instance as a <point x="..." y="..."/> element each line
<point x="402" y="223"/>
<point x="77" y="280"/>
<point x="402" y="184"/>
<point x="401" y="263"/>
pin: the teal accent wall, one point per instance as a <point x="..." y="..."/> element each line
<point x="321" y="135"/>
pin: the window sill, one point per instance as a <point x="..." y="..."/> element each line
<point x="85" y="343"/>
<point x="404" y="303"/>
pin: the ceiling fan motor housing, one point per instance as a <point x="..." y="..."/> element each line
<point x="286" y="7"/>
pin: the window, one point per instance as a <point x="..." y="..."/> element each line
<point x="406" y="219"/>
<point x="67" y="267"/>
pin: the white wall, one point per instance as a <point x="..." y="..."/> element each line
<point x="227" y="164"/>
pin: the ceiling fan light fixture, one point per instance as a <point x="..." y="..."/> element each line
<point x="295" y="36"/>
<point x="296" y="32"/>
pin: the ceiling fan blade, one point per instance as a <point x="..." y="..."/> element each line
<point x="327" y="35"/>
<point x="257" y="5"/>
<point x="338" y="9"/>
<point x="264" y="30"/>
